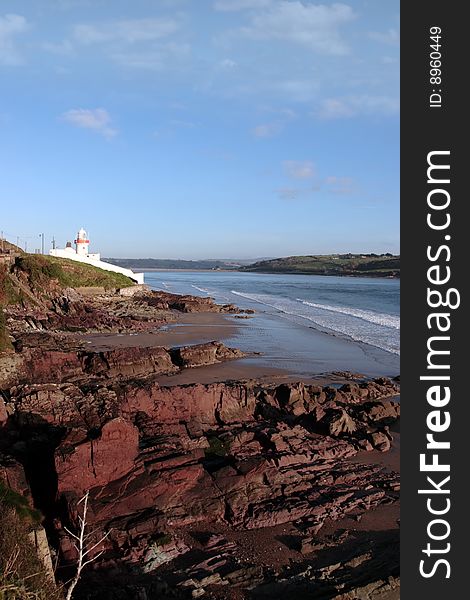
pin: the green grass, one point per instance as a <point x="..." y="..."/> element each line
<point x="22" y="575"/>
<point x="68" y="273"/>
<point x="11" y="499"/>
<point x="371" y="265"/>
<point x="8" y="295"/>
<point x="163" y="539"/>
<point x="43" y="273"/>
<point x="5" y="343"/>
<point x="216" y="447"/>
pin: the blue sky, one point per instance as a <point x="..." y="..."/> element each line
<point x="199" y="129"/>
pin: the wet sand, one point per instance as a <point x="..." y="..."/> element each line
<point x="193" y="328"/>
<point x="244" y="370"/>
<point x="199" y="328"/>
<point x="273" y="346"/>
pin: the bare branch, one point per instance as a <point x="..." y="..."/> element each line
<point x="82" y="550"/>
<point x="72" y="534"/>
<point x="97" y="543"/>
<point x="87" y="562"/>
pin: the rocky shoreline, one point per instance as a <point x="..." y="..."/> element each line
<point x="235" y="489"/>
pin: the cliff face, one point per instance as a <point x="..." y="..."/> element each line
<point x="34" y="287"/>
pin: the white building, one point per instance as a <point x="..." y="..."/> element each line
<point x="81" y="254"/>
<point x="81" y="245"/>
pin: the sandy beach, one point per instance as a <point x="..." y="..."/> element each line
<point x="274" y="348"/>
<point x="192" y="328"/>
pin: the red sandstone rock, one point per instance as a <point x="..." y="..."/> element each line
<point x="163" y="458"/>
<point x="203" y="354"/>
<point x="36" y="365"/>
<point x="127" y="362"/>
<point x="339" y="422"/>
<point x="3" y="412"/>
<point x="99" y="461"/>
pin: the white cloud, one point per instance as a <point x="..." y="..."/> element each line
<point x="64" y="48"/>
<point x="294" y="193"/>
<point x="340" y="185"/>
<point x="353" y="106"/>
<point x="296" y="169"/>
<point x="234" y="5"/>
<point x="313" y="25"/>
<point x="280" y="119"/>
<point x="334" y="108"/>
<point x="96" y="119"/>
<point x="136" y="43"/>
<point x="391" y="37"/>
<point x="300" y="90"/>
<point x="227" y="64"/>
<point x="11" y="25"/>
<point x="267" y="130"/>
<point x="288" y="193"/>
<point x="288" y="113"/>
<point x="154" y="58"/>
<point x="69" y="4"/>
<point x="130" y="31"/>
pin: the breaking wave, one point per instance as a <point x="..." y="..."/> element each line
<point x="383" y="319"/>
<point x="374" y="328"/>
<point x="203" y="290"/>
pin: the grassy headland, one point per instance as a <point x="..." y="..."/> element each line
<point x="360" y="265"/>
<point x="67" y="273"/>
<point x="30" y="277"/>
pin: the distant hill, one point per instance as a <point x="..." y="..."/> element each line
<point x="365" y="265"/>
<point x="142" y="264"/>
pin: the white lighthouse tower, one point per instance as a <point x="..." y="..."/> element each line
<point x="82" y="243"/>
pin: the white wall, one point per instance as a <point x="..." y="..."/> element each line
<point x="137" y="277"/>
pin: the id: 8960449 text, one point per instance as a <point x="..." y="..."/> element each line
<point x="435" y="70"/>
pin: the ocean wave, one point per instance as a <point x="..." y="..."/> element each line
<point x="262" y="300"/>
<point x="373" y="330"/>
<point x="203" y="290"/>
<point x="385" y="320"/>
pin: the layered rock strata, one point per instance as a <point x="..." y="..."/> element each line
<point x="160" y="461"/>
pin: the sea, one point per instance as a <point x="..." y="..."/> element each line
<point x="306" y="323"/>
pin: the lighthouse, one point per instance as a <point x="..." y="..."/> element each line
<point x="81" y="243"/>
<point x="81" y="254"/>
